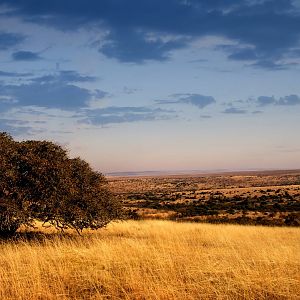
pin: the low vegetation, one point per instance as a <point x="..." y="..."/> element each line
<point x="153" y="260"/>
<point x="257" y="198"/>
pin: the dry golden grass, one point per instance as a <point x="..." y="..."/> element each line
<point x="155" y="260"/>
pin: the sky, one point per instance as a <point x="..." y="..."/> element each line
<point x="142" y="85"/>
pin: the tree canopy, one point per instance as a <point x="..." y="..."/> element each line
<point x="38" y="181"/>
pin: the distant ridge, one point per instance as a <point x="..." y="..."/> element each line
<point x="199" y="172"/>
<point x="158" y="173"/>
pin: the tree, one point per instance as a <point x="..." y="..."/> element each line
<point x="11" y="213"/>
<point x="40" y="182"/>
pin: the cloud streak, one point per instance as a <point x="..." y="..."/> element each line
<point x="14" y="126"/>
<point x="14" y="74"/>
<point x="234" y="110"/>
<point x="290" y="100"/>
<point x="10" y="40"/>
<point x="128" y="114"/>
<point x="197" y="100"/>
<point x="26" y="56"/>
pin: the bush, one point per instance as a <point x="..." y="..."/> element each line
<point x="39" y="182"/>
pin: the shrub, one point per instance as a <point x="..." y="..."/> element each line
<point x="39" y="182"/>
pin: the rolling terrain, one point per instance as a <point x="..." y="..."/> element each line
<point x="264" y="197"/>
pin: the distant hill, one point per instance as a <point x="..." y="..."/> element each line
<point x="199" y="172"/>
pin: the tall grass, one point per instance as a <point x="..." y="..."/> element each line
<point x="154" y="260"/>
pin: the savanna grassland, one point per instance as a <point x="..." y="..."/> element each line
<point x="153" y="259"/>
<point x="170" y="251"/>
<point x="265" y="198"/>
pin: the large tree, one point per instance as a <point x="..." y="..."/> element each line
<point x="38" y="181"/>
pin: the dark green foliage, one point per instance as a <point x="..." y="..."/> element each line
<point x="12" y="213"/>
<point x="39" y="182"/>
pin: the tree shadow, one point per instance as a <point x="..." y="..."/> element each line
<point x="36" y="237"/>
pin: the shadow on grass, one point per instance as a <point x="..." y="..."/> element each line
<point x="37" y="237"/>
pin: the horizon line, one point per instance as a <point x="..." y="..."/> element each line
<point x="194" y="172"/>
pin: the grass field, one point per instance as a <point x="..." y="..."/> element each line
<point x="154" y="260"/>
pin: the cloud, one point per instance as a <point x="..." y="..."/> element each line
<point x="271" y="66"/>
<point x="5" y="103"/>
<point x="268" y="59"/>
<point x="9" y="40"/>
<point x="289" y="100"/>
<point x="117" y="115"/>
<point x="123" y="46"/>
<point x="129" y="91"/>
<point x="265" y="100"/>
<point x="198" y="100"/>
<point x="83" y="116"/>
<point x="26" y="56"/>
<point x="265" y="32"/>
<point x="65" y="76"/>
<point x="260" y="102"/>
<point x="241" y="53"/>
<point x="51" y="91"/>
<point x="14" y="74"/>
<point x="163" y="102"/>
<point x="48" y="95"/>
<point x="234" y="110"/>
<point x="202" y="101"/>
<point x="14" y="127"/>
<point x="256" y="112"/>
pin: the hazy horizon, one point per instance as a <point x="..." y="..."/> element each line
<point x="155" y="85"/>
<point x="194" y="172"/>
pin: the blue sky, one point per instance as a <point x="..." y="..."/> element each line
<point x="155" y="85"/>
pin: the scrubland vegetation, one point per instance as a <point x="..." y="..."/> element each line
<point x="153" y="260"/>
<point x="264" y="198"/>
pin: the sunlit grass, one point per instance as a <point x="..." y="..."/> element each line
<point x="154" y="260"/>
